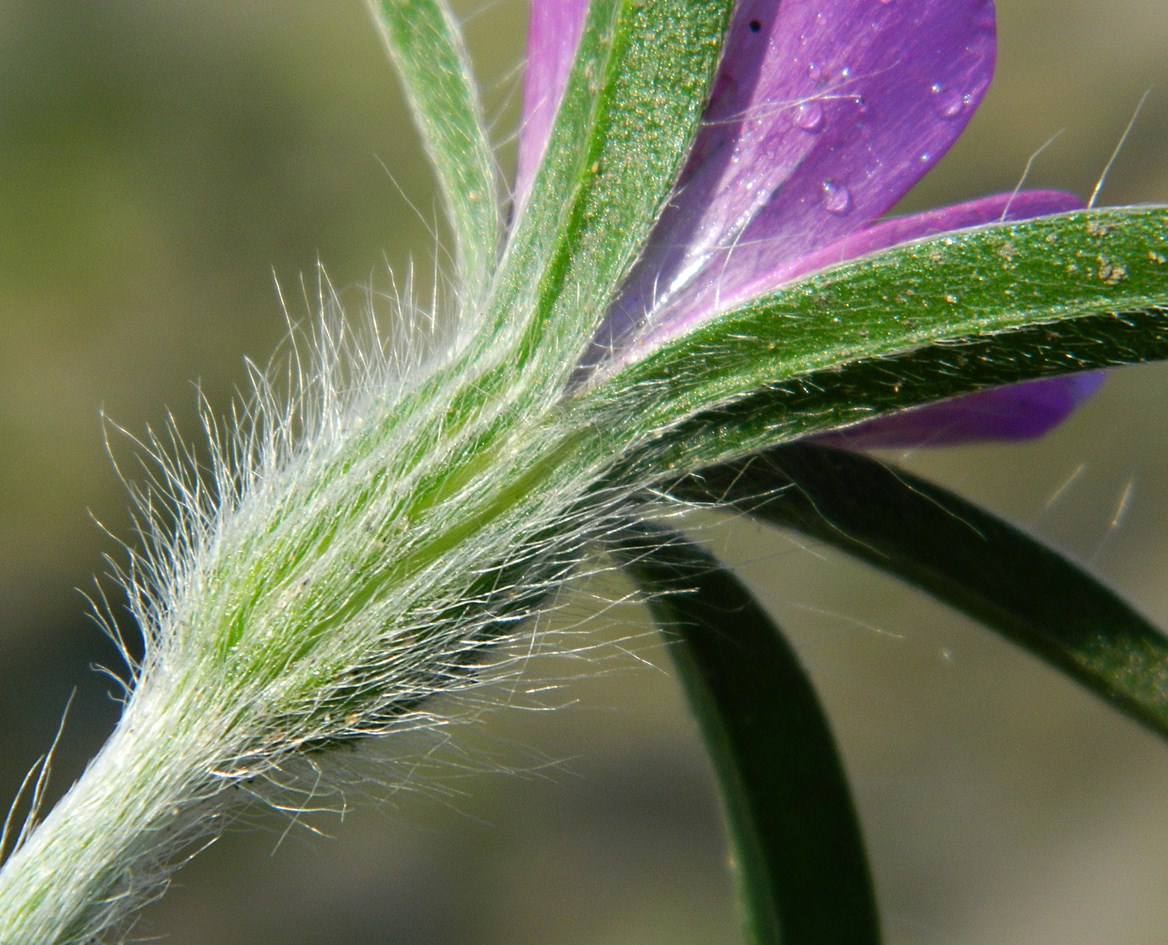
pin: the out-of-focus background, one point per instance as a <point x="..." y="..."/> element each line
<point x="159" y="162"/>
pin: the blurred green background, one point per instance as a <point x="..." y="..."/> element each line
<point x="159" y="161"/>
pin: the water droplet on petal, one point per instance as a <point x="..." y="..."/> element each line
<point x="948" y="103"/>
<point x="808" y="116"/>
<point x="837" y="198"/>
<point x="815" y="72"/>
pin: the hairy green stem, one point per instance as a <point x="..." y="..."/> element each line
<point x="101" y="852"/>
<point x="323" y="606"/>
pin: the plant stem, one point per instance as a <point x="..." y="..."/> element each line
<point x="103" y="851"/>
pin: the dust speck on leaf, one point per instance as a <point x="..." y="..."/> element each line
<point x="1111" y="273"/>
<point x="1098" y="228"/>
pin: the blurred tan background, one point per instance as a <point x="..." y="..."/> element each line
<point x="159" y="161"/>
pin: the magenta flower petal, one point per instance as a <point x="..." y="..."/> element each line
<point x="553" y="33"/>
<point x="822" y="117"/>
<point x="1018" y="412"/>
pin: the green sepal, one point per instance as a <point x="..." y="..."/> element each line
<point x="915" y="324"/>
<point x="962" y="555"/>
<point x="629" y="112"/>
<point x="426" y="45"/>
<point x="801" y="867"/>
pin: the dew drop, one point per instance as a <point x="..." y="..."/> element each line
<point x="808" y="116"/>
<point x="837" y="198"/>
<point x="946" y="102"/>
<point x="815" y="72"/>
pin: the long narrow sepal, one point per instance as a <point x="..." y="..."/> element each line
<point x="962" y="555"/>
<point x="629" y="113"/>
<point x="802" y="871"/>
<point x="426" y="46"/>
<point x="919" y="323"/>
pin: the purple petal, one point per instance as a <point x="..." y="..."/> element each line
<point x="553" y="33"/>
<point x="1018" y="412"/>
<point x="822" y="117"/>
